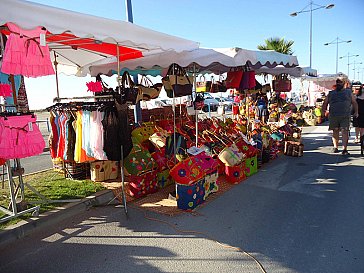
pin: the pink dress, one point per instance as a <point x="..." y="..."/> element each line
<point x="24" y="55"/>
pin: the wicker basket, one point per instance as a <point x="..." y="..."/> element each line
<point x="77" y="171"/>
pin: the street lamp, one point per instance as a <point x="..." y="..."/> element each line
<point x="312" y="7"/>
<point x="349" y="56"/>
<point x="354" y="63"/>
<point x="337" y="41"/>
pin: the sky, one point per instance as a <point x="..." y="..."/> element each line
<point x="230" y="23"/>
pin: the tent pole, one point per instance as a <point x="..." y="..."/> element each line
<point x="56" y="67"/>
<point x="196" y="111"/>
<point x="174" y="120"/>
<point x="121" y="147"/>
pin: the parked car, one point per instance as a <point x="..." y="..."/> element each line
<point x="226" y="102"/>
<point x="210" y="101"/>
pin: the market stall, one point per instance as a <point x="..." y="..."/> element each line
<point x="35" y="37"/>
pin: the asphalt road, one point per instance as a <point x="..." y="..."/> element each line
<point x="295" y="215"/>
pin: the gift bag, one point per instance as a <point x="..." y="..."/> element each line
<point x="235" y="174"/>
<point x="103" y="170"/>
<point x="159" y="138"/>
<point x="139" y="160"/>
<point x="143" y="132"/>
<point x="143" y="184"/>
<point x="177" y="83"/>
<point x="188" y="171"/>
<point x="164" y="179"/>
<point x="211" y="183"/>
<point x="231" y="155"/>
<point x="190" y="196"/>
<point x="251" y="165"/>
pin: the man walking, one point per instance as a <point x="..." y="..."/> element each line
<point x="340" y="101"/>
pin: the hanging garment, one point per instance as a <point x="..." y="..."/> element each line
<point x="20" y="137"/>
<point x="22" y="97"/>
<point x="117" y="132"/>
<point x="24" y="53"/>
<point x="80" y="153"/>
<point x="71" y="138"/>
<point x="97" y="135"/>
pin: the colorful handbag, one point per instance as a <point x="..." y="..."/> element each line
<point x="160" y="159"/>
<point x="178" y="150"/>
<point x="177" y="83"/>
<point x="159" y="138"/>
<point x="104" y="170"/>
<point x="143" y="132"/>
<point x="235" y="174"/>
<point x="211" y="183"/>
<point x="231" y="155"/>
<point x="164" y="179"/>
<point x="141" y="185"/>
<point x="251" y="165"/>
<point x="187" y="172"/>
<point x="190" y="196"/>
<point x="233" y="79"/>
<point x="139" y="160"/>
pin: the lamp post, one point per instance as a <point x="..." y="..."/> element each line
<point x="354" y="63"/>
<point x="349" y="56"/>
<point x="310" y="8"/>
<point x="337" y="41"/>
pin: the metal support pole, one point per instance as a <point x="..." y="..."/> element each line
<point x="311" y="34"/>
<point x="337" y="53"/>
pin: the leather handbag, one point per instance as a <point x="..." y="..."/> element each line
<point x="149" y="90"/>
<point x="282" y="84"/>
<point x="177" y="83"/>
<point x="233" y="79"/>
<point x="218" y="86"/>
<point x="129" y="92"/>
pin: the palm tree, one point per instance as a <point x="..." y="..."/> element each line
<point x="277" y="44"/>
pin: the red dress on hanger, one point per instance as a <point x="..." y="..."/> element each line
<point x="24" y="54"/>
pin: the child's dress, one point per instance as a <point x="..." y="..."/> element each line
<point x="24" y="54"/>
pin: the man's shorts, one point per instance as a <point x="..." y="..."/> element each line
<point x="341" y="123"/>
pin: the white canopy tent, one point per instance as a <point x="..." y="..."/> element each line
<point x="79" y="39"/>
<point x="216" y="60"/>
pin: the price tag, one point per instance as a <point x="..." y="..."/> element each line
<point x="30" y="125"/>
<point x="42" y="39"/>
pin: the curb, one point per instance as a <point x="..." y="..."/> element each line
<point x="25" y="227"/>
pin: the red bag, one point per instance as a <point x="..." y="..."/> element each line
<point x="141" y="185"/>
<point x="235" y="174"/>
<point x="188" y="171"/>
<point x="233" y="79"/>
<point x="282" y="85"/>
